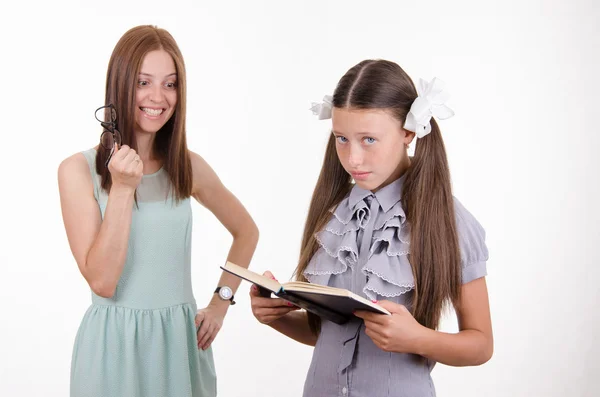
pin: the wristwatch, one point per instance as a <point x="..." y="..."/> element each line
<point x="225" y="293"/>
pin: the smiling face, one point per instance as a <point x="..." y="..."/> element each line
<point x="156" y="92"/>
<point x="371" y="145"/>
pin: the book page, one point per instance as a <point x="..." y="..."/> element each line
<point x="302" y="286"/>
<point x="299" y="286"/>
<point x="252" y="277"/>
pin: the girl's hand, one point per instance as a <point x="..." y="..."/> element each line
<point x="398" y="333"/>
<point x="267" y="310"/>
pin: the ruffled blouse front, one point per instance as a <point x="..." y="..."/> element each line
<point x="365" y="248"/>
<point x="368" y="234"/>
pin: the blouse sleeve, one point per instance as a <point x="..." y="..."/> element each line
<point x="471" y="238"/>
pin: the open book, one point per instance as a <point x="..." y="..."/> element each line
<point x="334" y="304"/>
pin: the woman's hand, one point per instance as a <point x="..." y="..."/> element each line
<point x="210" y="320"/>
<point x="126" y="168"/>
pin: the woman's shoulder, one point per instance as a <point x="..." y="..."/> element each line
<point x="204" y="178"/>
<point x="199" y="166"/>
<point x="75" y="171"/>
<point x="195" y="159"/>
<point x="77" y="162"/>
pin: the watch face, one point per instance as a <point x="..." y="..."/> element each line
<point x="225" y="292"/>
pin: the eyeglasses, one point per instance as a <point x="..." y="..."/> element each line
<point x="110" y="135"/>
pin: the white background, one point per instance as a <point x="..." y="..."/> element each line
<point x="522" y="148"/>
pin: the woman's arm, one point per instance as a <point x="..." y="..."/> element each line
<point x="99" y="246"/>
<point x="212" y="194"/>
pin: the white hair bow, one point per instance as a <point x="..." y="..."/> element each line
<point x="323" y="109"/>
<point x="430" y="102"/>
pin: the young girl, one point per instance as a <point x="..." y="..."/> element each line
<point x="127" y="213"/>
<point x="396" y="236"/>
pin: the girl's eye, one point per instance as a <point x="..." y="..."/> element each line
<point x="370" y="141"/>
<point x="171" y="85"/>
<point x="341" y="139"/>
<point x="142" y="83"/>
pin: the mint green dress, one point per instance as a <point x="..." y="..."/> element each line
<point x="142" y="341"/>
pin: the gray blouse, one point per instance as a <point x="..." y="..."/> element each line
<point x="364" y="249"/>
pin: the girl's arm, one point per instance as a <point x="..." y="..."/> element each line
<point x="282" y="316"/>
<point x="472" y="345"/>
<point x="294" y="325"/>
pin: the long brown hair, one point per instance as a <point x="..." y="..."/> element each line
<point x="170" y="144"/>
<point x="426" y="193"/>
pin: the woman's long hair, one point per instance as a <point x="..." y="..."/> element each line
<point x="121" y="81"/>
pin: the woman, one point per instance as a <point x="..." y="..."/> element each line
<point x="127" y="214"/>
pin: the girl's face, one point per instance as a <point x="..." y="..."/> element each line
<point x="371" y="145"/>
<point x="156" y="92"/>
